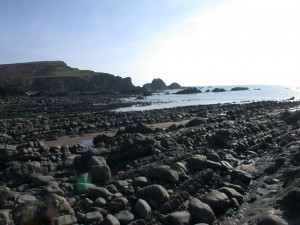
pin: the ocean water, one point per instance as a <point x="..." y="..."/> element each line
<point x="167" y="99"/>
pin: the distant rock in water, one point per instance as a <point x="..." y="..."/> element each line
<point x="240" y="89"/>
<point x="218" y="90"/>
<point x="188" y="91"/>
<point x="174" y="86"/>
<point x="156" y="84"/>
<point x="159" y="85"/>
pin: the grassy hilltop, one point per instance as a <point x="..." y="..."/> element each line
<point x="56" y="75"/>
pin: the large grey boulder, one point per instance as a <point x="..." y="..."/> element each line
<point x="270" y="220"/>
<point x="31" y="212"/>
<point x="231" y="193"/>
<point x="164" y="173"/>
<point x="7" y="197"/>
<point x="142" y="208"/>
<point x="218" y="201"/>
<point x="242" y="176"/>
<point x="5" y="216"/>
<point x="117" y="204"/>
<point x="125" y="217"/>
<point x="98" y="168"/>
<point x="59" y="203"/>
<point x="96" y="192"/>
<point x="110" y="220"/>
<point x="197" y="162"/>
<point x="64" y="220"/>
<point x="154" y="194"/>
<point x="93" y="217"/>
<point x="201" y="212"/>
<point x="178" y="218"/>
<point x="100" y="173"/>
<point x="141" y="181"/>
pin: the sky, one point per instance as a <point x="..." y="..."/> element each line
<point x="192" y="42"/>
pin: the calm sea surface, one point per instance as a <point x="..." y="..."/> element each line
<point x="167" y="99"/>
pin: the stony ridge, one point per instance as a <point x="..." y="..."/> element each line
<point x="230" y="164"/>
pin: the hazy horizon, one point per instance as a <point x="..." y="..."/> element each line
<point x="210" y="42"/>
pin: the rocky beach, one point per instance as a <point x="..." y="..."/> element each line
<point x="205" y="164"/>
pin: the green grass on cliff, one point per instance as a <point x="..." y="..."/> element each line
<point x="23" y="71"/>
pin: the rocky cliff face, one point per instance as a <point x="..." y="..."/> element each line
<point x="57" y="76"/>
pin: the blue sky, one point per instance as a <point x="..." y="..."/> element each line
<point x="191" y="42"/>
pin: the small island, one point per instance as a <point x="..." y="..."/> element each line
<point x="189" y="91"/>
<point x="240" y="89"/>
<point x="218" y="90"/>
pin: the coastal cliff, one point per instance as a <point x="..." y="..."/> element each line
<point x="57" y="76"/>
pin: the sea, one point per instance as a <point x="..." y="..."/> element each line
<point x="168" y="98"/>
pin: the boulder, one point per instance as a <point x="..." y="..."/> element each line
<point x="242" y="176"/>
<point x="41" y="180"/>
<point x="213" y="157"/>
<point x="59" y="203"/>
<point x="221" y="138"/>
<point x="89" y="158"/>
<point x="178" y="218"/>
<point x="231" y="193"/>
<point x="5" y="217"/>
<point x="93" y="217"/>
<point x="197" y="162"/>
<point x="213" y="165"/>
<point x="290" y="203"/>
<point x="238" y="188"/>
<point x="20" y="170"/>
<point x="100" y="138"/>
<point x="117" y="204"/>
<point x="52" y="189"/>
<point x="180" y="168"/>
<point x="164" y="173"/>
<point x="96" y="192"/>
<point x="64" y="220"/>
<point x="196" y="122"/>
<point x="141" y="181"/>
<point x="24" y="198"/>
<point x="100" y="173"/>
<point x="142" y="208"/>
<point x="100" y="202"/>
<point x="124" y="216"/>
<point x="7" y="198"/>
<point x="270" y="220"/>
<point x="154" y="194"/>
<point x="218" y="201"/>
<point x="201" y="212"/>
<point x="30" y="213"/>
<point x="110" y="220"/>
<point x="134" y="146"/>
